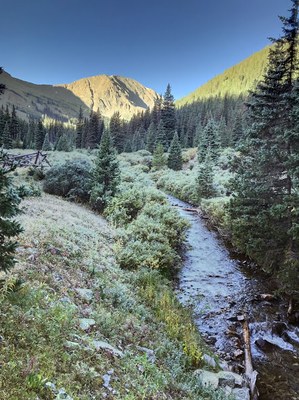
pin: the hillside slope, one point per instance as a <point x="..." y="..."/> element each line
<point x="78" y="328"/>
<point x="236" y="80"/>
<point x="62" y="102"/>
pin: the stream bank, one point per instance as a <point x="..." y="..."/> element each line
<point x="219" y="288"/>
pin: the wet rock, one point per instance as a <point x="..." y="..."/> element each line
<point x="241" y="394"/>
<point x="100" y="345"/>
<point x="278" y="328"/>
<point x="209" y="360"/>
<point x="238" y="353"/>
<point x="267" y="297"/>
<point x="211" y="340"/>
<point x="227" y="390"/>
<point x="207" y="378"/>
<point x="106" y="381"/>
<point x="86" y="323"/>
<point x="227" y="376"/>
<point x="85" y="294"/>
<point x="265" y="345"/>
<point x="224" y="365"/>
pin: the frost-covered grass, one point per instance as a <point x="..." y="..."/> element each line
<point x="66" y="247"/>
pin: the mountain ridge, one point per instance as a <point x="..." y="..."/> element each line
<point x="234" y="81"/>
<point x="108" y="93"/>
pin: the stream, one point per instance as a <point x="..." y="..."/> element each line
<point x="220" y="287"/>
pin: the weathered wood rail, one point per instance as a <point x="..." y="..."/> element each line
<point x="37" y="159"/>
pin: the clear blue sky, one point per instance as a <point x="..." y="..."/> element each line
<point x="183" y="42"/>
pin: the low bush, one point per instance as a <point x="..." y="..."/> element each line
<point x="125" y="207"/>
<point x="152" y="239"/>
<point x="28" y="191"/>
<point x="70" y="180"/>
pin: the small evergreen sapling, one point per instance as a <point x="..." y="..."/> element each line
<point x="105" y="174"/>
<point x="9" y="228"/>
<point x="159" y="158"/>
<point x="175" y="160"/>
<point x="204" y="180"/>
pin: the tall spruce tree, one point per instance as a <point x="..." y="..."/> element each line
<point x="151" y="137"/>
<point x="263" y="211"/>
<point x="161" y="136"/>
<point x="39" y="136"/>
<point x="175" y="160"/>
<point x="14" y="127"/>
<point x="204" y="179"/>
<point x="105" y="174"/>
<point x="79" y="129"/>
<point x="117" y="132"/>
<point x="47" y="145"/>
<point x="168" y="116"/>
<point x="6" y="138"/>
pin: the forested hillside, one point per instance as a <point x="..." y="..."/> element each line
<point x="233" y="82"/>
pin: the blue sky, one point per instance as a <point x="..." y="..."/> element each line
<point x="183" y="42"/>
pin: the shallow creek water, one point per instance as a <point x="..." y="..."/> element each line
<point x="219" y="288"/>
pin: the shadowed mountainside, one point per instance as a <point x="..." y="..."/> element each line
<point x="106" y="93"/>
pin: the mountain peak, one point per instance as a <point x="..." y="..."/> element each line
<point x="107" y="93"/>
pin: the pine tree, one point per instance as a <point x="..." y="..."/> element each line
<point x="9" y="228"/>
<point x="7" y="140"/>
<point x="204" y="180"/>
<point x="161" y="136"/>
<point x="95" y="130"/>
<point x="175" y="160"/>
<point x="263" y="212"/>
<point x="151" y="137"/>
<point x="9" y="202"/>
<point x="159" y="158"/>
<point x="28" y="142"/>
<point x="79" y="129"/>
<point x="237" y="131"/>
<point x="14" y="126"/>
<point x="39" y="135"/>
<point x="168" y="116"/>
<point x="117" y="132"/>
<point x="47" y="145"/>
<point x="63" y="143"/>
<point x="105" y="174"/>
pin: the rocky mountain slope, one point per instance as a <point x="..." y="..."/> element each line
<point x="106" y="93"/>
<point x="235" y="81"/>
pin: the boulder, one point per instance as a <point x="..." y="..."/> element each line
<point x="241" y="394"/>
<point x="86" y="323"/>
<point x="209" y="360"/>
<point x="100" y="345"/>
<point x="208" y="378"/>
<point x="85" y="294"/>
<point x="228" y="378"/>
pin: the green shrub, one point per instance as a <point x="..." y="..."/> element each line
<point x="125" y="207"/>
<point x="152" y="238"/>
<point x="70" y="180"/>
<point x="28" y="191"/>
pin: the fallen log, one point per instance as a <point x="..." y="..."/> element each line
<point x="250" y="373"/>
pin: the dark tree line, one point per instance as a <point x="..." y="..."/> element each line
<point x="264" y="210"/>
